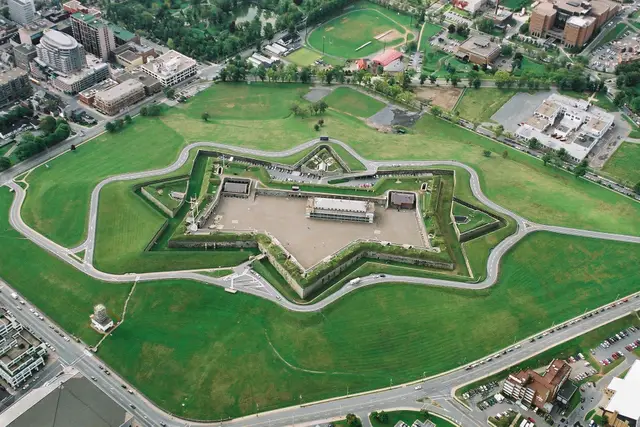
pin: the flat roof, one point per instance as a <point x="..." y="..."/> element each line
<point x="545" y="8"/>
<point x="479" y="45"/>
<point x="11" y="74"/>
<point x="573" y="6"/>
<point x="119" y="90"/>
<point x="340" y="204"/>
<point x="120" y="32"/>
<point x="169" y="63"/>
<point x="548" y="108"/>
<point x="625" y="398"/>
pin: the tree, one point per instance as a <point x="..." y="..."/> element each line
<point x="73" y="147"/>
<point x="485" y="25"/>
<point x="205" y="116"/>
<point x="353" y="421"/>
<point x="269" y="31"/>
<point x="506" y="50"/>
<point x="454" y="80"/>
<point x="436" y="111"/>
<point x="562" y="154"/>
<point x="451" y="28"/>
<point x="486" y="153"/>
<point x="127" y="119"/>
<point x="546" y="158"/>
<point x="383" y="417"/>
<point x="505" y="154"/>
<point x="476" y="82"/>
<point x="170" y="92"/>
<point x="534" y="144"/>
<point x="636" y="188"/>
<point x="316" y="127"/>
<point x="321" y="122"/>
<point x="423" y="77"/>
<point x="47" y="124"/>
<point x="110" y="127"/>
<point x="305" y="75"/>
<point x="498" y="130"/>
<point x="321" y="106"/>
<point x="144" y="111"/>
<point x="581" y="169"/>
<point x="433" y="78"/>
<point x="5" y="163"/>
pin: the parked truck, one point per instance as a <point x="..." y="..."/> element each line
<point x="14" y="295"/>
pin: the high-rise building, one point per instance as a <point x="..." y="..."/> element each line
<point x="94" y="34"/>
<point x="61" y="52"/>
<point x="572" y="22"/>
<point x="22" y="11"/>
<point x="23" y="54"/>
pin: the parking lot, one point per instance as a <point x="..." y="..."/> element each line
<point x="617" y="346"/>
<point x="606" y="57"/>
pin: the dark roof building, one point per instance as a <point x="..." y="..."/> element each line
<point x="538" y="390"/>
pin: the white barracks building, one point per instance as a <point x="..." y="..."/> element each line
<point x="170" y="68"/>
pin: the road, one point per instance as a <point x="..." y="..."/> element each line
<point x="87" y="363"/>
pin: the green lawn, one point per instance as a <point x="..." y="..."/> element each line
<point x="341" y="36"/>
<point x="56" y="288"/>
<point x="625" y="163"/>
<point x="351" y="101"/>
<point x="613" y="33"/>
<point x="58" y="196"/>
<point x="476" y="218"/>
<point x="304" y="57"/>
<point x="433" y="59"/>
<point x="516" y="4"/>
<point x="409" y="417"/>
<point x="196" y="334"/>
<point x="429" y="30"/>
<point x="478" y="105"/>
<point x="530" y="66"/>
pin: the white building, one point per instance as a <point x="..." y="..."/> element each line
<point x="473" y="5"/>
<point x="100" y="321"/>
<point x="340" y="209"/>
<point x="625" y="392"/>
<point x="21" y="353"/>
<point x="170" y="68"/>
<point x="61" y="52"/>
<point x="566" y="123"/>
<point x="22" y="11"/>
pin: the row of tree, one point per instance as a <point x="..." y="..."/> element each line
<point x="13" y="116"/>
<point x="53" y="131"/>
<point x="118" y="124"/>
<point x="627" y="83"/>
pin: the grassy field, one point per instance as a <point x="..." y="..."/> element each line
<point x="58" y="196"/>
<point x="341" y="36"/>
<point x="360" y="341"/>
<point x="478" y="105"/>
<point x="476" y="218"/>
<point x="581" y="344"/>
<point x="351" y="101"/>
<point x="56" y="288"/>
<point x="429" y="30"/>
<point x="409" y="417"/>
<point x="613" y="33"/>
<point x="530" y="66"/>
<point x="304" y="57"/>
<point x="625" y="163"/>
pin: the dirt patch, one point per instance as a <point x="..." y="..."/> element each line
<point x="390" y="116"/>
<point x="444" y="97"/>
<point x="389" y="36"/>
<point x="229" y="105"/>
<point x="326" y="30"/>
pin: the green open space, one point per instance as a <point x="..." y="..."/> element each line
<point x="478" y="105"/>
<point x="530" y="66"/>
<point x="161" y="191"/>
<point x="428" y="30"/>
<point x="516" y="5"/>
<point x="342" y="36"/>
<point x="625" y="163"/>
<point x="409" y="417"/>
<point x="58" y="196"/>
<point x="476" y="218"/>
<point x="352" y="102"/>
<point x="195" y="334"/>
<point x="304" y="57"/>
<point x="613" y="33"/>
<point x="581" y="344"/>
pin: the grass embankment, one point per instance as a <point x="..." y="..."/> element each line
<point x="360" y="341"/>
<point x="581" y="344"/>
<point x="409" y="417"/>
<point x="478" y="105"/>
<point x="352" y="102"/>
<point x="625" y="163"/>
<point x="58" y="197"/>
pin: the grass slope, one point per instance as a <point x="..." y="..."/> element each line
<point x="352" y="102"/>
<point x="478" y="105"/>
<point x="625" y="163"/>
<point x="231" y="352"/>
<point x="409" y="417"/>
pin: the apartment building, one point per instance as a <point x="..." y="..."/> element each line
<point x="534" y="389"/>
<point x="170" y="68"/>
<point x="94" y="34"/>
<point x="14" y="84"/>
<point x="117" y="98"/>
<point x="23" y="54"/>
<point x="95" y="72"/>
<point x="21" y="353"/>
<point x="573" y="22"/>
<point x="61" y="52"/>
<point x="22" y="11"/>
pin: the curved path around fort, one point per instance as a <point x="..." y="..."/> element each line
<point x="265" y="290"/>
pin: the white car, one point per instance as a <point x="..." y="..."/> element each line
<point x="418" y="387"/>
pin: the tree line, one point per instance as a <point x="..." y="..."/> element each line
<point x="52" y="132"/>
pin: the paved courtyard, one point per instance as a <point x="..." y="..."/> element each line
<point x="311" y="240"/>
<point x="518" y="109"/>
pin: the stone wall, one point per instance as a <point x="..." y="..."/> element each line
<point x="191" y="244"/>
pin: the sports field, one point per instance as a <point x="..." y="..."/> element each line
<point x="229" y="352"/>
<point x="352" y="102"/>
<point x="304" y="57"/>
<point x="478" y="105"/>
<point x="343" y="36"/>
<point x="625" y="163"/>
<point x="58" y="196"/>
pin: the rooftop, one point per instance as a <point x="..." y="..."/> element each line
<point x="11" y="74"/>
<point x="60" y="40"/>
<point x="479" y="45"/>
<point x="121" y="33"/>
<point x="386" y="58"/>
<point x="169" y="64"/>
<point x="91" y="19"/>
<point x="580" y="21"/>
<point x="625" y="398"/>
<point x="573" y="6"/>
<point x="340" y="205"/>
<point x="545" y="8"/>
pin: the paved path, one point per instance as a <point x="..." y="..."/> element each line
<point x="257" y="285"/>
<point x="437" y="388"/>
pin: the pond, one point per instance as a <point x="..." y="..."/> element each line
<point x="247" y="12"/>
